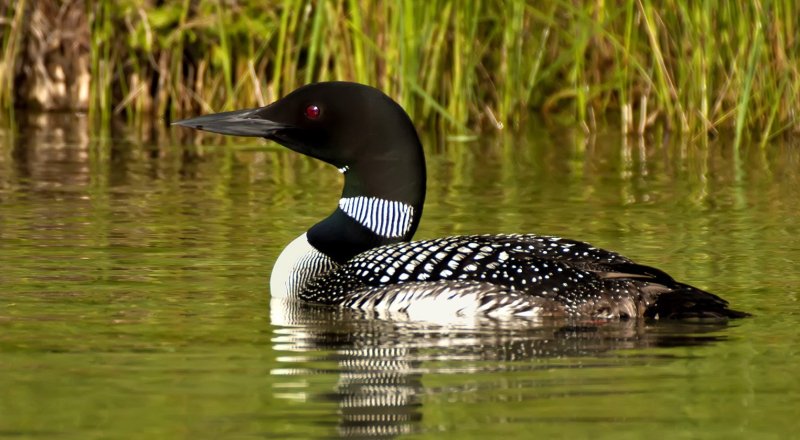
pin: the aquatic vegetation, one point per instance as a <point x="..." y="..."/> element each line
<point x="692" y="67"/>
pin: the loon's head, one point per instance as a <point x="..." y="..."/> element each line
<point x="340" y="123"/>
<point x="363" y="133"/>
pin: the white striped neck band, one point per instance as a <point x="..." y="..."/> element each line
<point x="387" y="218"/>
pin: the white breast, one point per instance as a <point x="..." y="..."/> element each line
<point x="298" y="264"/>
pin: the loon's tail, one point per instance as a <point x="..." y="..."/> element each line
<point x="687" y="302"/>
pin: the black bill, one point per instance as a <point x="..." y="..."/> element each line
<point x="236" y="123"/>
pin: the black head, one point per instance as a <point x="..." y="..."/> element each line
<point x="359" y="130"/>
<point x="338" y="122"/>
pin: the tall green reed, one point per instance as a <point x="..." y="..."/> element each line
<point x="11" y="33"/>
<point x="693" y="67"/>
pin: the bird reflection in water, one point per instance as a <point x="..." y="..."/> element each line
<point x="380" y="361"/>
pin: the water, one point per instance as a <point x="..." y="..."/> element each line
<point x="134" y="296"/>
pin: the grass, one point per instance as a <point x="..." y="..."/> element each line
<point x="10" y="30"/>
<point x="692" y="67"/>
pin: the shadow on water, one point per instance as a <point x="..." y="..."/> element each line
<point x="381" y="364"/>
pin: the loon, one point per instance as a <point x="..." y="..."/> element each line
<point x="361" y="256"/>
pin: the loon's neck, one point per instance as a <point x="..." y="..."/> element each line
<point x="381" y="204"/>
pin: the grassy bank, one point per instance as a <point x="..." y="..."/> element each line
<point x="694" y="66"/>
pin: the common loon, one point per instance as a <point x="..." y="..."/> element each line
<point x="361" y="255"/>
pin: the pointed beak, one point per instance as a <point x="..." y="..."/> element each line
<point x="235" y="123"/>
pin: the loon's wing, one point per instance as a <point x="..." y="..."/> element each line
<point x="578" y="254"/>
<point x="584" y="280"/>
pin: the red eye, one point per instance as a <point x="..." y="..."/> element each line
<point x="313" y="111"/>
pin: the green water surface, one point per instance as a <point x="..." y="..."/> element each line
<point x="134" y="299"/>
